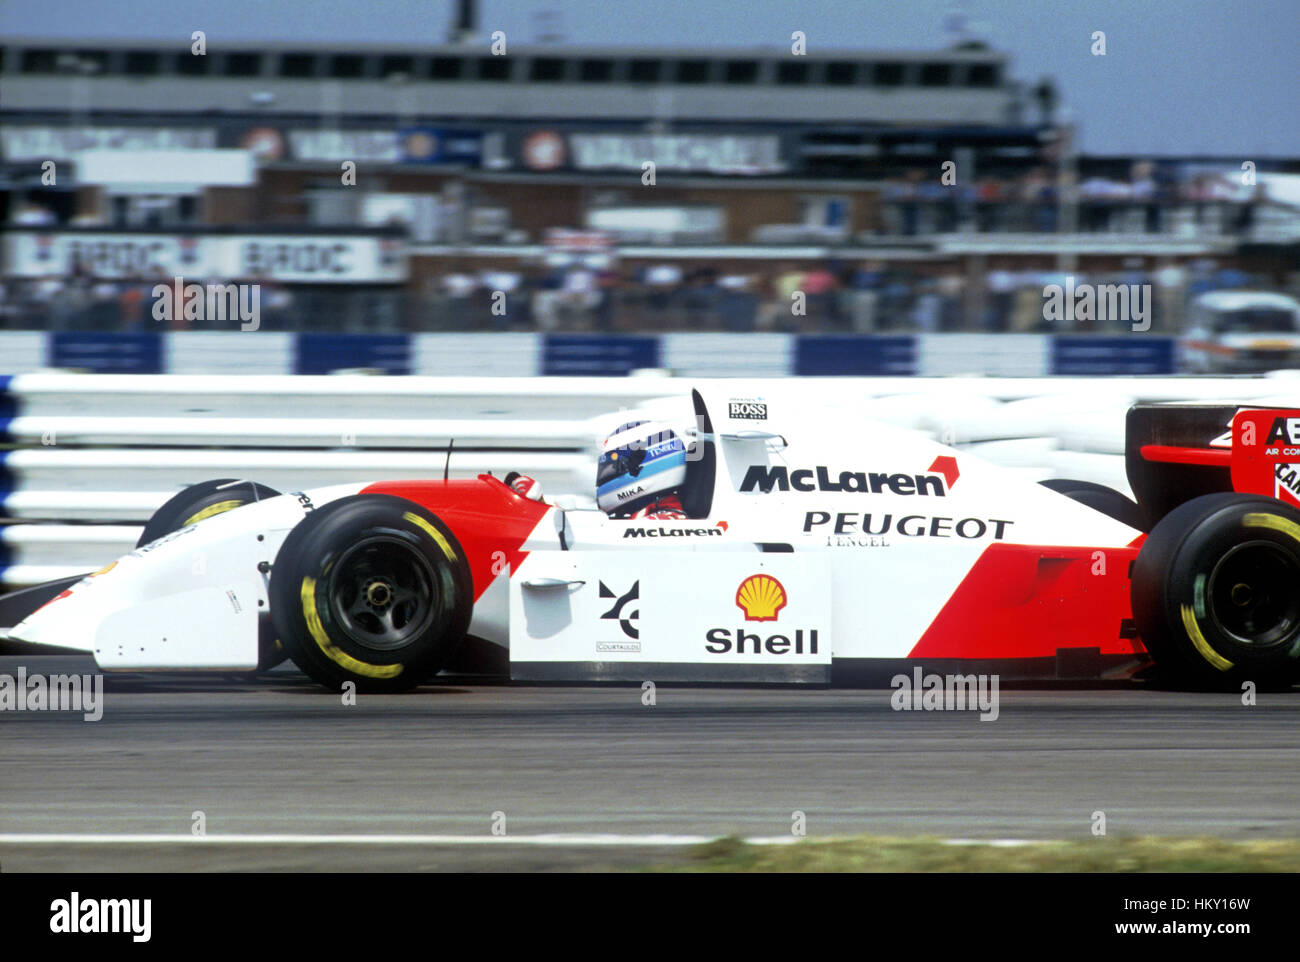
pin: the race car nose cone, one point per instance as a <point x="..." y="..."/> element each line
<point x="57" y="623"/>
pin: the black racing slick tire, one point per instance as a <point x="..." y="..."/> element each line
<point x="1216" y="592"/>
<point x="200" y="501"/>
<point x="1108" y="501"/>
<point x="371" y="589"/>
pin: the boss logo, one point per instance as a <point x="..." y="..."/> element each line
<point x="747" y="410"/>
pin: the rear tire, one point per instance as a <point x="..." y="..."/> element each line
<point x="1108" y="501"/>
<point x="1216" y="592"/>
<point x="371" y="589"/>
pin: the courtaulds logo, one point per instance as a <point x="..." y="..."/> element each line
<point x="761" y="598"/>
<point x="615" y="613"/>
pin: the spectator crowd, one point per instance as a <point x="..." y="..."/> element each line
<point x="1153" y="199"/>
<point x="577" y="291"/>
<point x="831" y="296"/>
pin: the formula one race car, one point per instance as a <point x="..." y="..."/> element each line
<point x="816" y="547"/>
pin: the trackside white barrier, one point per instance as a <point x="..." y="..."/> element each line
<point x="57" y="471"/>
<point x="51" y="430"/>
<point x="94" y="455"/>
<point x="49" y="551"/>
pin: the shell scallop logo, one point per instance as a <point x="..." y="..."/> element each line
<point x="760" y="597"/>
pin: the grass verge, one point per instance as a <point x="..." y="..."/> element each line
<point x="885" y="854"/>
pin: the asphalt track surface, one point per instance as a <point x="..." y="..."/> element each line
<point x="282" y="757"/>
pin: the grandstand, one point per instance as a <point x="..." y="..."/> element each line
<point x="898" y="190"/>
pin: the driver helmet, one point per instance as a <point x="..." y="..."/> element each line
<point x="640" y="462"/>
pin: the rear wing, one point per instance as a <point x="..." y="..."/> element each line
<point x="1176" y="452"/>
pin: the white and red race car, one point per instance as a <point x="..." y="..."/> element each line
<point x="819" y="548"/>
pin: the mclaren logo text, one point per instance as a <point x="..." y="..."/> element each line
<point x="665" y="532"/>
<point x="780" y="478"/>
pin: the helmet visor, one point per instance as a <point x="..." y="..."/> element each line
<point x="616" y="463"/>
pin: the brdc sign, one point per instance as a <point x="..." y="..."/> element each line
<point x="146" y="257"/>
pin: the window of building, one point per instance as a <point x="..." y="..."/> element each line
<point x="388" y="66"/>
<point x="841" y="73"/>
<point x="142" y="62"/>
<point x="39" y="61"/>
<point x="982" y="75"/>
<point x="347" y="66"/>
<point x="446" y="68"/>
<point x="596" y="71"/>
<point x="792" y="72"/>
<point x="889" y="74"/>
<point x="644" y="71"/>
<point x="243" y="64"/>
<point x="547" y="69"/>
<point x="93" y="61"/>
<point x="741" y="71"/>
<point x="692" y="71"/>
<point x="936" y="74"/>
<point x="192" y="65"/>
<point x="298" y="65"/>
<point x="494" y="68"/>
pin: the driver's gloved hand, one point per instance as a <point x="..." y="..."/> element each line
<point x="524" y="486"/>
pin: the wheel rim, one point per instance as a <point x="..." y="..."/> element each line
<point x="383" y="593"/>
<point x="1254" y="594"/>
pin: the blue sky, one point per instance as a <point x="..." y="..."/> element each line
<point x="1179" y="76"/>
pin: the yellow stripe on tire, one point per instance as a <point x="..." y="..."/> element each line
<point x="1193" y="630"/>
<point x="1271" y="521"/>
<point x="221" y="507"/>
<point x="331" y="650"/>
<point x="433" y="533"/>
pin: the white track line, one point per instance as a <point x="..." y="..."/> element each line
<point x="543" y="840"/>
<point x="556" y="840"/>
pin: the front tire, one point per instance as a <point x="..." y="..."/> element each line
<point x="199" y="502"/>
<point x="371" y="589"/>
<point x="1216" y="592"/>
